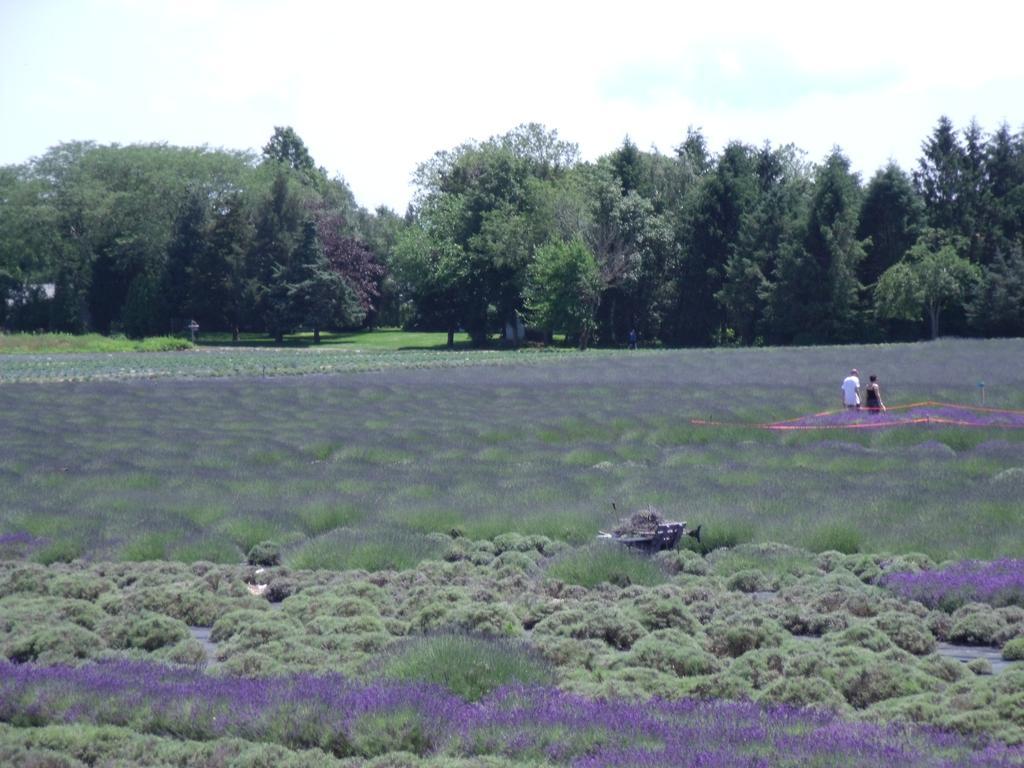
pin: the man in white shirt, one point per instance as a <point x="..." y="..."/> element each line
<point x="851" y="390"/>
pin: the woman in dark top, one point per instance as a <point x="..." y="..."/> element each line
<point x="873" y="402"/>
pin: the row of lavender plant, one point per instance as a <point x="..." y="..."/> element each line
<point x="998" y="583"/>
<point x="531" y="724"/>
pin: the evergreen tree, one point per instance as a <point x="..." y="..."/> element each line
<point x="1002" y="199"/>
<point x="278" y="226"/>
<point x="143" y="311"/>
<point x="998" y="308"/>
<point x="627" y="162"/>
<point x="187" y="246"/>
<point x="939" y="178"/>
<point x="288" y="150"/>
<point x="814" y="297"/>
<point x="891" y="219"/>
<point x="319" y="296"/>
<point x="723" y="198"/>
<point x="216" y="277"/>
<point x="766" y="229"/>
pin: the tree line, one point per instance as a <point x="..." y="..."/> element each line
<point x="753" y="245"/>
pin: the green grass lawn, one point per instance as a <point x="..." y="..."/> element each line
<point x="373" y="340"/>
<point x="89" y="343"/>
<point x="377" y="340"/>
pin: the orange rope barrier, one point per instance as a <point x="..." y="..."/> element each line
<point x="793" y="423"/>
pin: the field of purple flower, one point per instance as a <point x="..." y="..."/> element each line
<point x="1000" y="582"/>
<point x="528" y="725"/>
<point x="461" y="499"/>
<point x="204" y="469"/>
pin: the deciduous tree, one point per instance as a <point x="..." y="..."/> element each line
<point x="931" y="278"/>
<point x="564" y="288"/>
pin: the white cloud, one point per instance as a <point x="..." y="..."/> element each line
<point x="376" y="88"/>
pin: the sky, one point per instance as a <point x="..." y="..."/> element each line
<point x="376" y="87"/>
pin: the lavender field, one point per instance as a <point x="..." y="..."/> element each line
<point x="521" y="725"/>
<point x="203" y="469"/>
<point x="495" y="655"/>
<point x="424" y="587"/>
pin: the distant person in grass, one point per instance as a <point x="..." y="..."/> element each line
<point x="851" y="390"/>
<point x="632" y="338"/>
<point x="873" y="396"/>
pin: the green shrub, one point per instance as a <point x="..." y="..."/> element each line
<point x="980" y="666"/>
<point x="361" y="624"/>
<point x="1014" y="650"/>
<point x="727" y="533"/>
<point x="320" y="518"/>
<point x="672" y="652"/>
<point x="26" y="578"/>
<point x="829" y="560"/>
<point x="863" y="635"/>
<point x="351" y="599"/>
<point x="214" y="549"/>
<point x="864" y="567"/>
<point x="149" y="546"/>
<point x="348" y="549"/>
<point x="942" y="667"/>
<point x="1010" y="706"/>
<point x="977" y="624"/>
<point x="434" y="615"/>
<point x="869" y="679"/>
<point x="656" y="611"/>
<point x="20" y="613"/>
<point x="514" y="561"/>
<point x="804" y="621"/>
<point x="251" y="663"/>
<point x="292" y="654"/>
<point x="939" y="623"/>
<point x="507" y="542"/>
<point x="146" y="631"/>
<point x="757" y="669"/>
<point x="37" y="758"/>
<point x="79" y="586"/>
<point x="906" y="630"/>
<point x="751" y="580"/>
<point x="63" y="551"/>
<point x="189" y="652"/>
<point x="469" y="666"/>
<point x="191" y="602"/>
<point x="280" y="588"/>
<point x="605" y="562"/>
<point x="266" y="553"/>
<point x="736" y="635"/>
<point x="612" y="625"/>
<point x="490" y="619"/>
<point x="53" y="644"/>
<point x="350" y="605"/>
<point x="683" y="561"/>
<point x="777" y="560"/>
<point x="388" y="732"/>
<point x="835" y="536"/>
<point x="569" y="651"/>
<point x="252" y="629"/>
<point x="805" y="692"/>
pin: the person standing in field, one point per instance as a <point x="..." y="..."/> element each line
<point x="851" y="390"/>
<point x="873" y="395"/>
<point x="632" y="338"/>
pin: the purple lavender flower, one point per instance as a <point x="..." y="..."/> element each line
<point x="535" y="724"/>
<point x="998" y="583"/>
